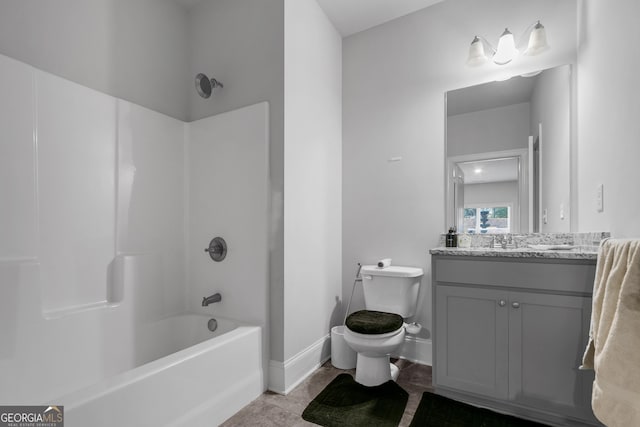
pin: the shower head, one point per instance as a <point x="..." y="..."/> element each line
<point x="205" y="85"/>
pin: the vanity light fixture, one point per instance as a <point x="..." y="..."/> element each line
<point x="537" y="40"/>
<point x="507" y="50"/>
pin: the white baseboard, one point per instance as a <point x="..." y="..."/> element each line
<point x="285" y="376"/>
<point x="416" y="349"/>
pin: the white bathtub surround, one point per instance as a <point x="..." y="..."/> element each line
<point x="94" y="248"/>
<point x="205" y="383"/>
<point x="228" y="188"/>
<point x="62" y="277"/>
<point x="150" y="199"/>
<point x="76" y="150"/>
<point x="37" y="364"/>
<point x="18" y="229"/>
<point x="228" y="183"/>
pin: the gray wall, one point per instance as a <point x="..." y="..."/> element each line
<point x="550" y="106"/>
<point x="495" y="129"/>
<point x="134" y="50"/>
<point x="394" y="79"/>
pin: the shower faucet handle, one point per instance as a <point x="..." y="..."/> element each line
<point x="217" y="249"/>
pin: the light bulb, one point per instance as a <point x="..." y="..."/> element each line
<point x="506" y="48"/>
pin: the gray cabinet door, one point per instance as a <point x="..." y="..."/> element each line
<point x="547" y="337"/>
<point x="471" y="333"/>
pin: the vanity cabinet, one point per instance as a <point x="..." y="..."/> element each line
<point x="510" y="334"/>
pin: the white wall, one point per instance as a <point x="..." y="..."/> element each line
<point x="550" y="106"/>
<point x="227" y="192"/>
<point x="134" y="50"/>
<point x="95" y="191"/>
<point x="608" y="112"/>
<point x="394" y="79"/>
<point x="494" y="129"/>
<point x="312" y="168"/>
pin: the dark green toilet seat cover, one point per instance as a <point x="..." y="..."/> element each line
<point x="373" y="322"/>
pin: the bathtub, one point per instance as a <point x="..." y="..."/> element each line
<point x="187" y="376"/>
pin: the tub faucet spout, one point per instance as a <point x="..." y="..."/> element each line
<point x="211" y="299"/>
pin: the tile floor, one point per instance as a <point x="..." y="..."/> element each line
<point x="272" y="409"/>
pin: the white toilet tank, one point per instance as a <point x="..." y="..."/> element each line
<point x="392" y="289"/>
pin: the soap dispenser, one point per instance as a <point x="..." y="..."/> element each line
<point x="451" y="241"/>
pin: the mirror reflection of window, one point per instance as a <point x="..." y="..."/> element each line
<point x="491" y="183"/>
<point x="488" y="219"/>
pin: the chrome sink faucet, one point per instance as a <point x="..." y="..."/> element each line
<point x="211" y="299"/>
<point x="503" y="241"/>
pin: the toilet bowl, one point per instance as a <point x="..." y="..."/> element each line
<point x="373" y="366"/>
<point x="379" y="331"/>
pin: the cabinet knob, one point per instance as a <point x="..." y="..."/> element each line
<point x="502" y="303"/>
<point x="515" y="304"/>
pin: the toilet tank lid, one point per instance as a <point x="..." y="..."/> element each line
<point x="391" y="271"/>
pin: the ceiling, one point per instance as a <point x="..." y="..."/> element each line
<point x="352" y="16"/>
<point x="492" y="170"/>
<point x="490" y="95"/>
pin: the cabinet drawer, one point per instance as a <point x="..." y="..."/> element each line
<point x="535" y="274"/>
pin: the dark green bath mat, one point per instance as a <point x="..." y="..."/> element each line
<point x="344" y="402"/>
<point x="439" y="411"/>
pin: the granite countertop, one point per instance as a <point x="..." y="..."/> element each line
<point x="576" y="253"/>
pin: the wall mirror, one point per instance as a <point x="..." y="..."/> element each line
<point x="507" y="151"/>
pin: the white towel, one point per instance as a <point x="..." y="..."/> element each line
<point x="614" y="339"/>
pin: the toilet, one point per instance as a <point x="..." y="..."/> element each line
<point x="390" y="296"/>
